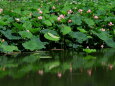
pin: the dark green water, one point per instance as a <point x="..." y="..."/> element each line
<point x="58" y="68"/>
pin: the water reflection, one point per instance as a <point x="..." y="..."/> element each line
<point x="58" y="68"/>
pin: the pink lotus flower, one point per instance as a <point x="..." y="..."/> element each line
<point x="2" y="40"/>
<point x="110" y="66"/>
<point x="59" y="74"/>
<point x="1" y="10"/>
<point x="53" y="7"/>
<point x="62" y="16"/>
<point x="80" y="10"/>
<point x="102" y="29"/>
<point x="110" y="24"/>
<point x="40" y="17"/>
<point x="40" y="12"/>
<point x="89" y="11"/>
<point x="70" y="11"/>
<point x="96" y="17"/>
<point x="40" y="72"/>
<point x="59" y="19"/>
<point x="89" y="72"/>
<point x="69" y="21"/>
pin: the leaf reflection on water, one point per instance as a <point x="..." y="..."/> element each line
<point x="19" y="65"/>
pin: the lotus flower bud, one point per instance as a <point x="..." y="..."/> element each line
<point x="110" y="24"/>
<point x="40" y="17"/>
<point x="1" y="10"/>
<point x="89" y="11"/>
<point x="96" y="17"/>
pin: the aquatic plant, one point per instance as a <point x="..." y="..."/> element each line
<point x="57" y="25"/>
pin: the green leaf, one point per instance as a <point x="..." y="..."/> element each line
<point x="79" y="36"/>
<point x="9" y="48"/>
<point x="89" y="21"/>
<point x="65" y="29"/>
<point x="77" y="19"/>
<point x="65" y="9"/>
<point x="105" y="37"/>
<point x="33" y="44"/>
<point x="2" y="22"/>
<point x="25" y="34"/>
<point x="18" y="11"/>
<point x="51" y="37"/>
<point x="49" y="30"/>
<point x="53" y="18"/>
<point x="27" y="25"/>
<point x="18" y="26"/>
<point x="47" y="23"/>
<point x="82" y="30"/>
<point x="110" y="43"/>
<point x="8" y="35"/>
<point x="89" y="50"/>
<point x="35" y="30"/>
<point x="102" y="35"/>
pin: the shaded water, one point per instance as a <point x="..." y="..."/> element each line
<point x="58" y="68"/>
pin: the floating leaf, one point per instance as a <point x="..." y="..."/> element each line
<point x="89" y="50"/>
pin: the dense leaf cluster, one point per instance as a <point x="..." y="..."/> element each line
<point x="49" y="25"/>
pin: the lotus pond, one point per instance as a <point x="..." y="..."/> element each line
<point x="58" y="68"/>
<point x="57" y="42"/>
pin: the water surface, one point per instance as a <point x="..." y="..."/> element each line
<point x="58" y="68"/>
